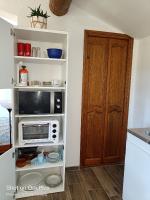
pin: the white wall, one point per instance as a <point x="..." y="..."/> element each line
<point x="74" y="22"/>
<point x="131" y="122"/>
<point x="141" y="109"/>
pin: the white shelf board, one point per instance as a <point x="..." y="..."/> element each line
<point x="38" y="60"/>
<point x="42" y="166"/>
<point x="43" y="35"/>
<point x="61" y="142"/>
<point x="39" y="88"/>
<point x="44" y="115"/>
<point x="22" y="194"/>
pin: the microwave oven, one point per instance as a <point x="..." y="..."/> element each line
<point x="33" y="131"/>
<point x="40" y="102"/>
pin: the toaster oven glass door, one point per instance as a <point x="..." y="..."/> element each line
<point x="37" y="131"/>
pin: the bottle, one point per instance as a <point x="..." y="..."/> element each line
<point x="23" y="76"/>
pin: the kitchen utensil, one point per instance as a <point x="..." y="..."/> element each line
<point x="30" y="180"/>
<point x="34" y="52"/>
<point x="27" y="49"/>
<point x="47" y="83"/>
<point x="29" y="156"/>
<point x="53" y="180"/>
<point x="35" y="161"/>
<point x="38" y="52"/>
<point x="35" y="83"/>
<point x="40" y="158"/>
<point x="20" y="49"/>
<point x="54" y="53"/>
<point x="21" y="162"/>
<point x="56" y="82"/>
<point x="53" y="157"/>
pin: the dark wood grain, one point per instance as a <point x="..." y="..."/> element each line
<point x="98" y="194"/>
<point x="106" y="181"/>
<point x="4" y="148"/>
<point x="97" y="183"/>
<point x="94" y="97"/>
<point x="59" y="7"/>
<point x="105" y="97"/>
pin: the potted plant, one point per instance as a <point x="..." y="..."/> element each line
<point x="38" y="18"/>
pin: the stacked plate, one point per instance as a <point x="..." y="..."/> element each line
<point x="53" y="157"/>
<point x="53" y="180"/>
<point x="30" y="181"/>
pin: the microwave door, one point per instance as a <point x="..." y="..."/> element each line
<point x="35" y="132"/>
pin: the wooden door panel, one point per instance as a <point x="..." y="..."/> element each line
<point x="94" y="140"/>
<point x="117" y="68"/>
<point x="113" y="137"/>
<point x="94" y="96"/>
<point x="117" y="71"/>
<point x="97" y="73"/>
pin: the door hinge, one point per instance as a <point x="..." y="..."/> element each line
<point x="12" y="81"/>
<point x="13" y="155"/>
<point x="12" y="32"/>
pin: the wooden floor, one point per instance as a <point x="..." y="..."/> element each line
<point x="96" y="183"/>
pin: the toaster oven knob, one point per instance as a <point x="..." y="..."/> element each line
<point x="54" y="131"/>
<point x="58" y="106"/>
<point x="54" y="136"/>
<point x="58" y="100"/>
<point x="54" y="125"/>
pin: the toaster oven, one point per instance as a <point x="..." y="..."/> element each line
<point x="33" y="131"/>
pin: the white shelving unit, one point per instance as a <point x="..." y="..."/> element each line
<point x="42" y="69"/>
<point x="44" y="115"/>
<point x="39" y="88"/>
<point x="42" y="166"/>
<point x="22" y="194"/>
<point x="38" y="60"/>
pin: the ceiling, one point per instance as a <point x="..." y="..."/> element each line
<point x="130" y="16"/>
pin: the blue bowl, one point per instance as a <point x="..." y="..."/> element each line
<point x="54" y="53"/>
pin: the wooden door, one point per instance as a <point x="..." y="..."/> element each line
<point x="94" y="97"/>
<point x="106" y="81"/>
<point x="115" y="103"/>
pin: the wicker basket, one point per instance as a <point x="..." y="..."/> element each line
<point x="38" y="22"/>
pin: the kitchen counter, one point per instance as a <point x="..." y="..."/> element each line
<point x="137" y="165"/>
<point x="141" y="133"/>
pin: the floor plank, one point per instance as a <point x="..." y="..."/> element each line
<point x="89" y="179"/>
<point x="95" y="183"/>
<point x="98" y="194"/>
<point x="110" y="187"/>
<point x="76" y="192"/>
<point x="116" y="174"/>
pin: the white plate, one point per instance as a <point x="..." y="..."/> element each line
<point x="53" y="180"/>
<point x="53" y="155"/>
<point x="30" y="180"/>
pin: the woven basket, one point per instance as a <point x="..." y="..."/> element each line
<point x="38" y="22"/>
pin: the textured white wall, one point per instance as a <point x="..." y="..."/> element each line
<point x="74" y="22"/>
<point x="141" y="108"/>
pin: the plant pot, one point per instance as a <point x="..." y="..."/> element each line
<point x="38" y="22"/>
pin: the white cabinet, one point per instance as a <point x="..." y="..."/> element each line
<point x="6" y="54"/>
<point x="137" y="169"/>
<point x="7" y="159"/>
<point x="41" y="69"/>
<point x="7" y="175"/>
